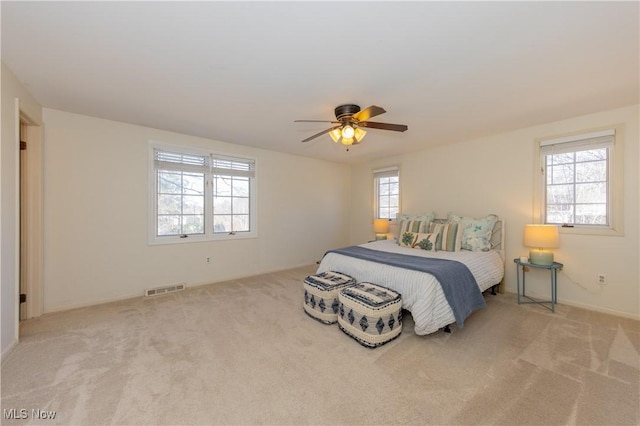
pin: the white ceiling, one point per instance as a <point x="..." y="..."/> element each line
<point x="241" y="72"/>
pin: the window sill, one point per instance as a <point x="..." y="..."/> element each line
<point x="160" y="241"/>
<point x="598" y="232"/>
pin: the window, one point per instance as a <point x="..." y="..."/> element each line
<point x="579" y="176"/>
<point x="387" y="193"/>
<point x="200" y="196"/>
<point x="232" y="180"/>
<point x="180" y="196"/>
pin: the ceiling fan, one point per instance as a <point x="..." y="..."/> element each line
<point x="350" y="121"/>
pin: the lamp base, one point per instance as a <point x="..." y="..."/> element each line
<point x="541" y="257"/>
<point x="381" y="237"/>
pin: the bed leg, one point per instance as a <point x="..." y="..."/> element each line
<point x="446" y="329"/>
<point x="493" y="289"/>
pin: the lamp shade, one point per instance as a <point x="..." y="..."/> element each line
<point x="335" y="134"/>
<point x="347" y="134"/>
<point x="347" y="131"/>
<point x="381" y="226"/>
<point x="359" y="134"/>
<point x="540" y="238"/>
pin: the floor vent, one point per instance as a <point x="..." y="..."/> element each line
<point x="164" y="290"/>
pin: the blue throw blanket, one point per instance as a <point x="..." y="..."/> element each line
<point x="458" y="284"/>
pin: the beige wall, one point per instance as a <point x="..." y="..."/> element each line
<point x="495" y="175"/>
<point x="13" y="93"/>
<point x="96" y="186"/>
<point x="96" y="213"/>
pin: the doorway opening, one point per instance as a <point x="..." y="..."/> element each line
<point x="30" y="270"/>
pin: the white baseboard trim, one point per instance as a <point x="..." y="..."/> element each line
<point x="600" y="309"/>
<point x="70" y="307"/>
<point x="9" y="349"/>
<point x="586" y="306"/>
<point x="63" y="308"/>
<point x="240" y="276"/>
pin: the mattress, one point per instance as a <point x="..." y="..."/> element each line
<point x="421" y="293"/>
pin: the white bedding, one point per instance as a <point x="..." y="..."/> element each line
<point x="421" y="292"/>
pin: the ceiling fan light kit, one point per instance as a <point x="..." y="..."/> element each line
<point x="350" y="120"/>
<point x="347" y="135"/>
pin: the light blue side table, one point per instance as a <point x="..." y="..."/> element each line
<point x="553" y="268"/>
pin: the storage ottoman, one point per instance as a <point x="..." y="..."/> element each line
<point x="321" y="295"/>
<point x="370" y="313"/>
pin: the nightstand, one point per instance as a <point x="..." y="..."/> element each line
<point x="553" y="269"/>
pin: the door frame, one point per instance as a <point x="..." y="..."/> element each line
<point x="32" y="221"/>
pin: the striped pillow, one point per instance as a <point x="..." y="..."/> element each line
<point x="395" y="228"/>
<point x="415" y="226"/>
<point x="449" y="239"/>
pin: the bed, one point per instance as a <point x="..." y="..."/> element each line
<point x="422" y="293"/>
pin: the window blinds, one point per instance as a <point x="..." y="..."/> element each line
<point x="232" y="166"/>
<point x="216" y="164"/>
<point x="386" y="172"/>
<point x="176" y="161"/>
<point x="602" y="139"/>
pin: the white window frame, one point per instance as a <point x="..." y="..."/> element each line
<point x="611" y="137"/>
<point x="209" y="234"/>
<point x="382" y="173"/>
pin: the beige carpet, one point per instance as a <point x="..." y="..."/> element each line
<point x="244" y="352"/>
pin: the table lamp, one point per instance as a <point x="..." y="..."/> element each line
<point x="540" y="238"/>
<point x="381" y="228"/>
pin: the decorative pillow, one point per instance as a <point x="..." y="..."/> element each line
<point x="448" y="238"/>
<point x="476" y="232"/>
<point x="415" y="224"/>
<point x="427" y="217"/>
<point x="418" y="240"/>
<point x="425" y="242"/>
<point x="408" y="239"/>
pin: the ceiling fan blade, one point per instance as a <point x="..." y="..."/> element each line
<point x="383" y="126"/>
<point x="367" y="113"/>
<point x="320" y="134"/>
<point x="315" y="121"/>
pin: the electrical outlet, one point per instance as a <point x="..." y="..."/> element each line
<point x="208" y="260"/>
<point x="602" y="279"/>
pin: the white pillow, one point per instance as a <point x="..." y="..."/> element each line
<point x="407" y="239"/>
<point x="418" y="240"/>
<point x="425" y="242"/>
<point x="428" y="217"/>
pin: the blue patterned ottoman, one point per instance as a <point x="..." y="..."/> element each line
<point x="321" y="295"/>
<point x="370" y="313"/>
